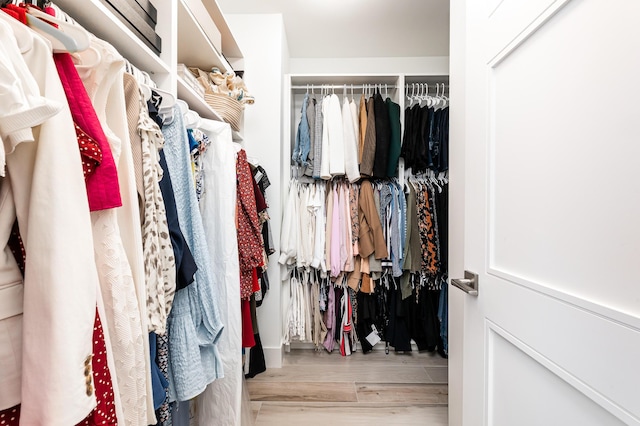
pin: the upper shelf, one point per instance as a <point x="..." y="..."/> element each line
<point x="229" y="45"/>
<point x="337" y="79"/>
<point x="98" y="19"/>
<point x="196" y="29"/>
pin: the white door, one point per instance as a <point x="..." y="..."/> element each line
<point x="545" y="208"/>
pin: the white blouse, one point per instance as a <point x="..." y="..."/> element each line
<point x="59" y="299"/>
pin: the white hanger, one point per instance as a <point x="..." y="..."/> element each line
<point x="445" y="99"/>
<point x="184" y="107"/>
<point x="427" y="97"/>
<point x="66" y="38"/>
<point x="168" y="100"/>
<point x="412" y="98"/>
<point x="146" y="91"/>
<point x="191" y="118"/>
<point x="253" y="161"/>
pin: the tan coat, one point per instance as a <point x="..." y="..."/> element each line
<point x="371" y="236"/>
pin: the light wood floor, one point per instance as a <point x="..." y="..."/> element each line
<point x="318" y="388"/>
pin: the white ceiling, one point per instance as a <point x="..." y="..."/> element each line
<point x="357" y="28"/>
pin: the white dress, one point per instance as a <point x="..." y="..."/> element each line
<point x="350" y="143"/>
<point x="220" y="404"/>
<point x="336" y="137"/>
<point x="115" y="233"/>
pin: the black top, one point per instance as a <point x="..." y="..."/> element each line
<point x="383" y="137"/>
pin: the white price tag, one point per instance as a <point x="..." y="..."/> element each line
<point x="373" y="337"/>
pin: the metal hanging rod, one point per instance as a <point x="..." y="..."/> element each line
<point x="411" y="85"/>
<point x="344" y="86"/>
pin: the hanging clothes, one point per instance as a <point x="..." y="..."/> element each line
<point x="383" y="137"/>
<point x="370" y="233"/>
<point x="121" y="269"/>
<point x="395" y="137"/>
<point x="219" y="404"/>
<point x="194" y="322"/>
<point x="369" y="147"/>
<point x="51" y="274"/>
<point x="249" y="234"/>
<point x="350" y="142"/>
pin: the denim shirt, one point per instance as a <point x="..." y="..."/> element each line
<point x="303" y="139"/>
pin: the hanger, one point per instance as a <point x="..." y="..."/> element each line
<point x="65" y="38"/>
<point x="71" y="28"/>
<point x="253" y="161"/>
<point x="386" y="91"/>
<point x="445" y="99"/>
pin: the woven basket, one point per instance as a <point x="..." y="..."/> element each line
<point x="229" y="109"/>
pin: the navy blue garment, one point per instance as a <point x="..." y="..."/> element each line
<point x="444" y="141"/>
<point x="395" y="140"/>
<point x="159" y="383"/>
<point x="185" y="263"/>
<point x="443" y="316"/>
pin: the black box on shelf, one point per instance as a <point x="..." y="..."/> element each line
<point x="149" y="10"/>
<point x="136" y="18"/>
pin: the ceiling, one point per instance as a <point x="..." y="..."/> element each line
<point x="357" y="28"/>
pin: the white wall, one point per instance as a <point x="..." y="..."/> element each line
<point x="262" y="40"/>
<point x="434" y="65"/>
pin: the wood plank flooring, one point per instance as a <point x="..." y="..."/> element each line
<point x="318" y="388"/>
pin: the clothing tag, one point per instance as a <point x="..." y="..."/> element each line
<point x="258" y="176"/>
<point x="373" y="338"/>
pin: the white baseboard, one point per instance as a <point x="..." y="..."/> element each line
<point x="273" y="356"/>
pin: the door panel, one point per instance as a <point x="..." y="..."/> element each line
<point x="583" y="349"/>
<point x="551" y="199"/>
<point x="551" y="207"/>
<point x="524" y="392"/>
<point x="515" y="19"/>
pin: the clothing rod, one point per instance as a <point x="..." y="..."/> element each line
<point x="361" y="86"/>
<point x="344" y="86"/>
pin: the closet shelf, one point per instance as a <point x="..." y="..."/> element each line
<point x="230" y="47"/>
<point x="339" y="80"/>
<point x="197" y="104"/>
<point x="98" y="19"/>
<point x="195" y="30"/>
<point x="195" y="101"/>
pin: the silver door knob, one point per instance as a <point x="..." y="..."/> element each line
<point x="468" y="284"/>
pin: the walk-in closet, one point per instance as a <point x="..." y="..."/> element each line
<point x="226" y="243"/>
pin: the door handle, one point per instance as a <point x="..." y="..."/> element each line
<point x="468" y="284"/>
